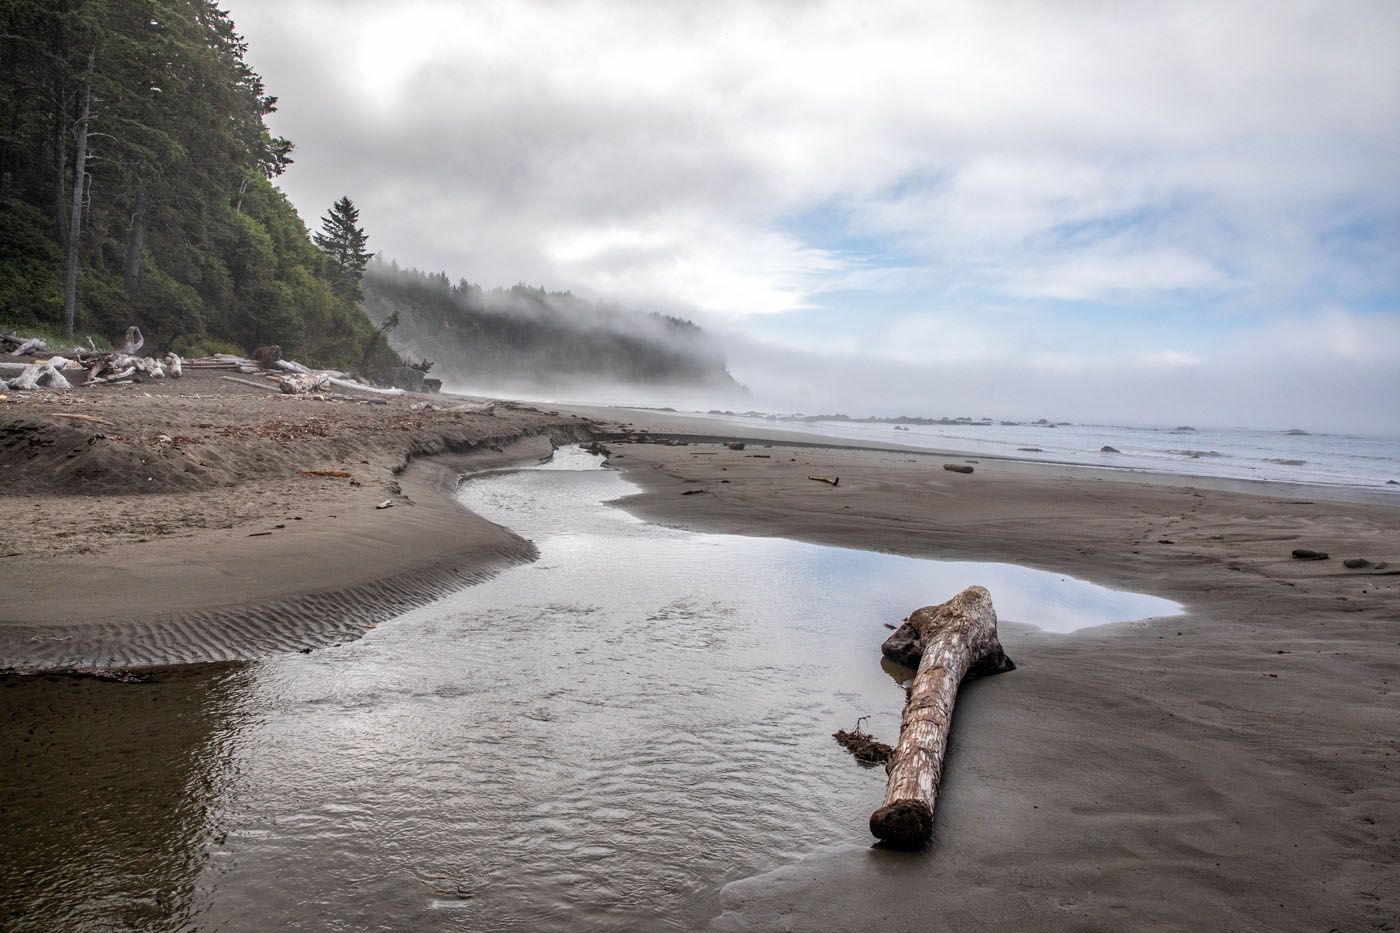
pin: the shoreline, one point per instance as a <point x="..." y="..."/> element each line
<point x="1167" y="770"/>
<point x="1231" y="767"/>
<point x="268" y="557"/>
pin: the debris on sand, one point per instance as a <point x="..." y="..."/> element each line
<point x="862" y="745"/>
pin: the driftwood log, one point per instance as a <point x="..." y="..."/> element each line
<point x="956" y="638"/>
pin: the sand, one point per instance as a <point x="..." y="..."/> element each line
<point x="223" y="543"/>
<point x="1234" y="768"/>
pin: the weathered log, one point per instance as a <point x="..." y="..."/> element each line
<point x="297" y="384"/>
<point x="248" y="382"/>
<point x="131" y="341"/>
<point x="46" y="374"/>
<point x="959" y="636"/>
<point x="80" y="417"/>
<point x="361" y="387"/>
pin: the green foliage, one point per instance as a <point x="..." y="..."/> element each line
<point x="30" y="289"/>
<point x="182" y="230"/>
<point x="343" y="241"/>
<point x="526" y="334"/>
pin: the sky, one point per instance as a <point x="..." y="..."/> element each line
<point x="1133" y="212"/>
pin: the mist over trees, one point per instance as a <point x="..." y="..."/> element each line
<point x="529" y="336"/>
<point x="136" y="187"/>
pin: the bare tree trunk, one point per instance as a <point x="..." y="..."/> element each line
<point x="60" y="145"/>
<point x="958" y="636"/>
<point x="75" y="223"/>
<point x="135" y="240"/>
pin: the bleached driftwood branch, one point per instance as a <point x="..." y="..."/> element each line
<point x="958" y="637"/>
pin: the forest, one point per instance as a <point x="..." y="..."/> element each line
<point x="136" y="187"/>
<point x="524" y="334"/>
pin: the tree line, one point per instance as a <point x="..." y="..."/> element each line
<point x="524" y="334"/>
<point x="136" y="186"/>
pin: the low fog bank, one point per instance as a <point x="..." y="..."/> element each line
<point x="526" y="340"/>
<point x="1315" y="392"/>
<point x="588" y="391"/>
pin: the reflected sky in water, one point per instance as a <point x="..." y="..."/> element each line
<point x="598" y="740"/>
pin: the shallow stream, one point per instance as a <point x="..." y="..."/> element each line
<point x="598" y="740"/>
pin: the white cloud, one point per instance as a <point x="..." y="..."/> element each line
<point x="984" y="158"/>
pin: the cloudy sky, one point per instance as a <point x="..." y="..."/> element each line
<point x="1152" y="212"/>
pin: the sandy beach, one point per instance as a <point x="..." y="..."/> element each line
<point x="252" y="527"/>
<point x="1232" y="768"/>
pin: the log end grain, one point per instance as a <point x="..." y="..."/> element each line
<point x="903" y="824"/>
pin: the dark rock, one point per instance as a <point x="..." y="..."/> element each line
<point x="904" y="646"/>
<point x="1105" y="449"/>
<point x="432" y="385"/>
<point x="267" y="356"/>
<point x="1302" y="553"/>
<point x="406" y="378"/>
<point x="957" y="468"/>
<point x="1356" y="563"/>
<point x="1392" y="482"/>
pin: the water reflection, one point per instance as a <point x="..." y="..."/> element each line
<point x="598" y="740"/>
<point x="107" y="796"/>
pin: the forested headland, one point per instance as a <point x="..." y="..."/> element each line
<point x="136" y="187"/>
<point x="526" y="335"/>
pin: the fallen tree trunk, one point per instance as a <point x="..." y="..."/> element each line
<point x="958" y="637"/>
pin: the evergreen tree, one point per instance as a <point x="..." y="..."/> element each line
<point x="343" y="242"/>
<point x="136" y="170"/>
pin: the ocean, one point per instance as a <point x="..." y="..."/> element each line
<point x="1231" y="453"/>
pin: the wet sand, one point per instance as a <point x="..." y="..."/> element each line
<point x="1235" y="768"/>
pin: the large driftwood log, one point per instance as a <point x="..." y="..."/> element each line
<point x="958" y="637"/>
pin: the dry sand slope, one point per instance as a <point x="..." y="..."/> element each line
<point x="1235" y="768"/>
<point x="202" y="520"/>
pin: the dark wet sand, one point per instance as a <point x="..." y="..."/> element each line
<point x="1236" y="768"/>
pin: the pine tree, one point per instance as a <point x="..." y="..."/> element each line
<point x="343" y="243"/>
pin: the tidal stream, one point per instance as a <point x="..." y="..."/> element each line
<point x="598" y="740"/>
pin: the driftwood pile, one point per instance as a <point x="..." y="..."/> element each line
<point x="121" y="366"/>
<point x="293" y="377"/>
<point x="946" y="642"/>
<point x="101" y="367"/>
